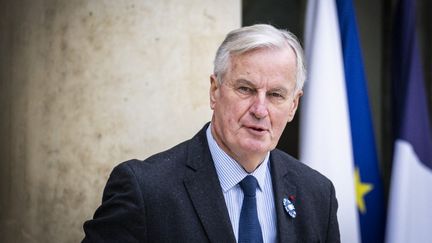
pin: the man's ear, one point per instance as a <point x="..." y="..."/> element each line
<point x="214" y="91"/>
<point x="294" y="105"/>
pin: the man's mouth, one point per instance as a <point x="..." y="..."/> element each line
<point x="257" y="129"/>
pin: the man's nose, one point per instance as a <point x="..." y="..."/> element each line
<point x="259" y="108"/>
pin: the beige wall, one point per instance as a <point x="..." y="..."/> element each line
<point x="85" y="85"/>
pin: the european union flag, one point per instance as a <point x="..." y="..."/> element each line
<point x="369" y="190"/>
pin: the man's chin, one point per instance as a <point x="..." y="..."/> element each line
<point x="255" y="147"/>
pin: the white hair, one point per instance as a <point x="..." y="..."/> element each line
<point x="254" y="37"/>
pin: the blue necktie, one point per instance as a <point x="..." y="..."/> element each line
<point x="249" y="226"/>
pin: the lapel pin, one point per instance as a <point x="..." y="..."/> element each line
<point x="289" y="207"/>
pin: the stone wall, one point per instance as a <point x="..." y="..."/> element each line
<point x="85" y="85"/>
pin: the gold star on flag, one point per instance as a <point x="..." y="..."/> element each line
<point x="361" y="190"/>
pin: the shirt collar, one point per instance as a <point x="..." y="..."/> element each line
<point x="230" y="173"/>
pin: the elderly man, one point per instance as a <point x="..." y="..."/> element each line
<point x="228" y="183"/>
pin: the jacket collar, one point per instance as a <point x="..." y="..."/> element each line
<point x="202" y="184"/>
<point x="205" y="192"/>
<point x="284" y="186"/>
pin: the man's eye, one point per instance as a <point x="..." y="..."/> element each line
<point x="245" y="90"/>
<point x="276" y="95"/>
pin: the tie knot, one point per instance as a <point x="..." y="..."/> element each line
<point x="249" y="185"/>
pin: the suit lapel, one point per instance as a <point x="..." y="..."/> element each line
<point x="284" y="186"/>
<point x="202" y="184"/>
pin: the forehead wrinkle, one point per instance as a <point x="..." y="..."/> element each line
<point x="244" y="81"/>
<point x="243" y="66"/>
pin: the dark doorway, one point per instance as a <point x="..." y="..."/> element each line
<point x="283" y="14"/>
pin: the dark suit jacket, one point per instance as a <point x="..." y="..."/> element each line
<point x="175" y="196"/>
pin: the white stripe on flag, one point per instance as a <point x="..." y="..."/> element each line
<point x="410" y="211"/>
<point x="325" y="138"/>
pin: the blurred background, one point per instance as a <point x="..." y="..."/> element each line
<point x="85" y="85"/>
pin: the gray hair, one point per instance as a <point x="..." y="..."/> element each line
<point x="258" y="36"/>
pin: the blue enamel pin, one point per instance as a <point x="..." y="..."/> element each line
<point x="289" y="207"/>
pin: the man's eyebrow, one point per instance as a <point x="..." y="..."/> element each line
<point x="244" y="82"/>
<point x="279" y="89"/>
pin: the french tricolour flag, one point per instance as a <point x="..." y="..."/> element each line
<point x="410" y="203"/>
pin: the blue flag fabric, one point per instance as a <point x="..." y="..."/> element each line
<point x="410" y="105"/>
<point x="369" y="188"/>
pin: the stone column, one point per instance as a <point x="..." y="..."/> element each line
<point x="85" y="85"/>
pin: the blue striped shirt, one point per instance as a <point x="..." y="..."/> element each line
<point x="230" y="173"/>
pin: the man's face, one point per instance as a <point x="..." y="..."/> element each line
<point x="255" y="101"/>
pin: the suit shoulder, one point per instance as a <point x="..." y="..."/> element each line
<point x="178" y="152"/>
<point x="166" y="164"/>
<point x="300" y="169"/>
